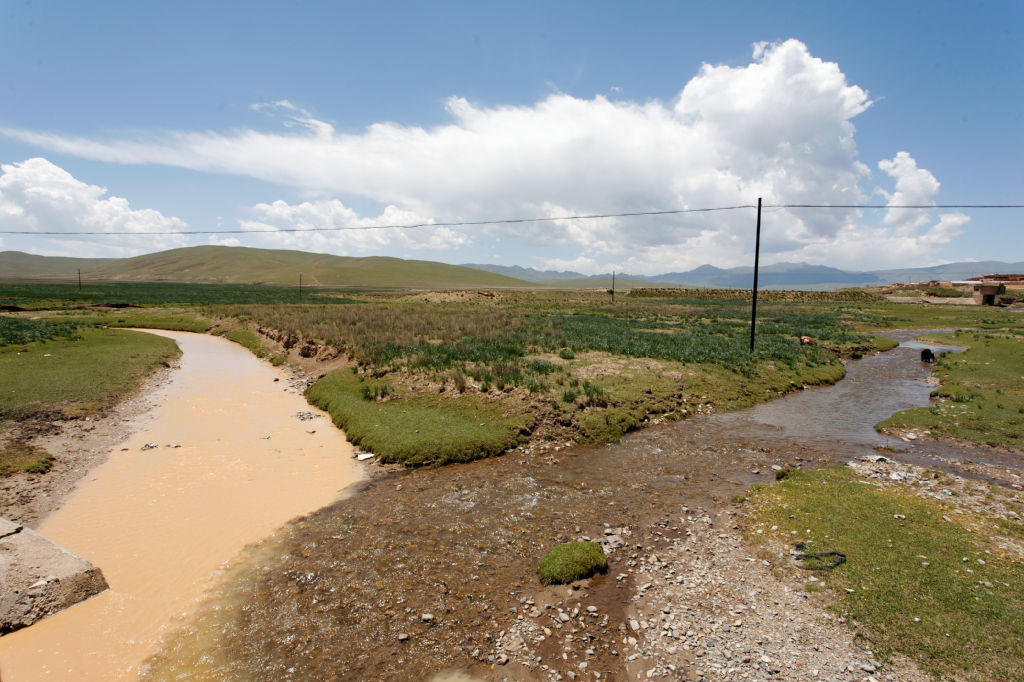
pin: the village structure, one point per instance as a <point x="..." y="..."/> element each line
<point x="987" y="289"/>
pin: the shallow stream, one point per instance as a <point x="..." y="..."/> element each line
<point x="232" y="462"/>
<point x="340" y="594"/>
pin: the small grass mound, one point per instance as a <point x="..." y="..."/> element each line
<point x="254" y="343"/>
<point x="18" y="457"/>
<point x="571" y="561"/>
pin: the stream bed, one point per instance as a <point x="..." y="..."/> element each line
<point x="341" y="594"/>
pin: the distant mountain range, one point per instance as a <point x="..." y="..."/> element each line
<point x="777" y="276"/>
<point x="244" y="265"/>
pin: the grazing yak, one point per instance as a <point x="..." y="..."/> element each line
<point x="927" y="355"/>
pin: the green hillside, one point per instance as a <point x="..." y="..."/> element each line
<point x="241" y="265"/>
<point x="20" y="265"/>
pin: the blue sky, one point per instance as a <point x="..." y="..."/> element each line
<point x="146" y="117"/>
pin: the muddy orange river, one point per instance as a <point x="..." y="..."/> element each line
<point x="163" y="522"/>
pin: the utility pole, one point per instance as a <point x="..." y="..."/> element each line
<point x="300" y="285"/>
<point x="79" y="279"/>
<point x="613" y="286"/>
<point x="757" y="256"/>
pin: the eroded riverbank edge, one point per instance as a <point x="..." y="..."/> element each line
<point x="433" y="570"/>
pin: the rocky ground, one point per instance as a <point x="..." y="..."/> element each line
<point x="702" y="606"/>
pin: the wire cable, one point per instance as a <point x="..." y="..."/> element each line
<point x="509" y="221"/>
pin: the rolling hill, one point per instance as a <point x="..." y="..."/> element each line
<point x="20" y="265"/>
<point x="242" y="265"/>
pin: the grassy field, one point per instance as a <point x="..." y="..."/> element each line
<point x="872" y="316"/>
<point x="50" y="296"/>
<point x="58" y="370"/>
<point x="914" y="582"/>
<point x="981" y="398"/>
<point x="76" y="376"/>
<point x="586" y="370"/>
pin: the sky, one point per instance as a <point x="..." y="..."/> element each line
<point x="273" y="124"/>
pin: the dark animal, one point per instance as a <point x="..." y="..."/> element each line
<point x="927" y="355"/>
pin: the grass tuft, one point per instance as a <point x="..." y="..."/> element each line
<point x="571" y="561"/>
<point x="18" y="457"/>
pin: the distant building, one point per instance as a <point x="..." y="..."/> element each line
<point x="988" y="288"/>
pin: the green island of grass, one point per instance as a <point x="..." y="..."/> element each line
<point x="70" y="377"/>
<point x="571" y="561"/>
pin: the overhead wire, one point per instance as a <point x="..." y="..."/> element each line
<point x="512" y="221"/>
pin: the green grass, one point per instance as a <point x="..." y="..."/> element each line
<point x="570" y="561"/>
<point x="18" y="458"/>
<point x="938" y="316"/>
<point x="981" y="398"/>
<point x="254" y="343"/>
<point x="72" y="377"/>
<point x="415" y="430"/>
<point x="20" y="330"/>
<point x="905" y="581"/>
<point x="147" y="318"/>
<point x="49" y="295"/>
<point x="156" y="320"/>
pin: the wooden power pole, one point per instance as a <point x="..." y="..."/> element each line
<point x="757" y="255"/>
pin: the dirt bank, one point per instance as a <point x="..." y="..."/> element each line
<point x="229" y="453"/>
<point x="78" y="445"/>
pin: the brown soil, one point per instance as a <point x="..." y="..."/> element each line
<point x="335" y="597"/>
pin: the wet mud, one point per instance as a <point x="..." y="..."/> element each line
<point x="425" y="571"/>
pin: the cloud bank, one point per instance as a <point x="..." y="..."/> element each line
<point x="779" y="128"/>
<point x="36" y="196"/>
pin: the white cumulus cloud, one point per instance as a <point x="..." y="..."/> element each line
<point x="313" y="226"/>
<point x="779" y="127"/>
<point x="37" y="196"/>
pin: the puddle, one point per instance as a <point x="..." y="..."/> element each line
<point x="341" y="593"/>
<point x="162" y="522"/>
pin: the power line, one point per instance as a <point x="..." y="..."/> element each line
<point x="511" y="221"/>
<point x="939" y="206"/>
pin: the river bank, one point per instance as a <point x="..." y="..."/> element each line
<point x="227" y="455"/>
<point x="446" y="578"/>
